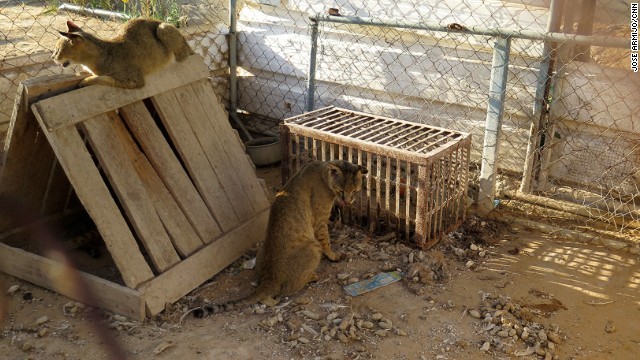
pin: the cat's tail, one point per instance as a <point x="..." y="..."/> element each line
<point x="262" y="293"/>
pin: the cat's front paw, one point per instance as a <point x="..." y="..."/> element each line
<point x="86" y="82"/>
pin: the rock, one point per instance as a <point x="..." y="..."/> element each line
<point x="486" y="346"/>
<point x="43" y="332"/>
<point x="473" y="247"/>
<point x="309" y="314"/>
<point x="421" y="256"/>
<point x="303" y="340"/>
<point x="367" y="324"/>
<point x="384" y="325"/>
<point x="381" y="333"/>
<point x="411" y="257"/>
<point x="41" y="320"/>
<point x="376" y="316"/>
<point x="614" y="244"/>
<point x="359" y="348"/>
<point x="401" y="332"/>
<point x="475" y="313"/>
<point x="542" y="335"/>
<point x="13" y="288"/>
<point x="469" y="264"/>
<point x="342" y="276"/>
<point x="260" y="311"/>
<point x="525" y="334"/>
<point x="610" y="328"/>
<point x="343" y="338"/>
<point x="249" y="264"/>
<point x="553" y="337"/>
<point x="332" y="316"/>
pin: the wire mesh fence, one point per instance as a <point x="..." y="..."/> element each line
<point x="571" y="136"/>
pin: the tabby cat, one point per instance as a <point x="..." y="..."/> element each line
<point x="297" y="232"/>
<point x="141" y="47"/>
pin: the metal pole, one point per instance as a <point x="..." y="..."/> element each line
<point x="233" y="70"/>
<point x="479" y="30"/>
<point x="495" y="108"/>
<point x="233" y="57"/>
<point x="311" y="82"/>
<point x="542" y="90"/>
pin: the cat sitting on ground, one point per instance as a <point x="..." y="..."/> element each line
<point x="297" y="232"/>
<point x="141" y="47"/>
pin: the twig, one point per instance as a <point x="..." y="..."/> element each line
<point x="464" y="312"/>
<point x="187" y="313"/>
<point x="599" y="303"/>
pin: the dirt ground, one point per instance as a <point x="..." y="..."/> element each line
<point x="482" y="290"/>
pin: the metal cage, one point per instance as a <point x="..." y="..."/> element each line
<point x="417" y="174"/>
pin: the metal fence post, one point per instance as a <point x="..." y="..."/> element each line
<point x="233" y="70"/>
<point x="542" y="90"/>
<point x="311" y="82"/>
<point x="497" y="90"/>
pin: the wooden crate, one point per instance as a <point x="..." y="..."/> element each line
<point x="417" y="174"/>
<point x="159" y="170"/>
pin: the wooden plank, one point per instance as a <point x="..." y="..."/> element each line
<point x="56" y="112"/>
<point x="182" y="235"/>
<point x="28" y="159"/>
<point x="167" y="165"/>
<point x="211" y="142"/>
<point x="195" y="160"/>
<point x="108" y="138"/>
<point x="94" y="195"/>
<point x="53" y="275"/>
<point x="231" y="144"/>
<point x="199" y="267"/>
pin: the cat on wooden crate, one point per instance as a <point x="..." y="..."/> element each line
<point x="297" y="232"/>
<point x="141" y="47"/>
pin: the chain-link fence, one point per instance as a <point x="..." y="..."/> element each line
<point x="569" y="127"/>
<point x="568" y="131"/>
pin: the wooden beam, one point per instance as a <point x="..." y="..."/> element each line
<point x="50" y="274"/>
<point x="56" y="114"/>
<point x="199" y="267"/>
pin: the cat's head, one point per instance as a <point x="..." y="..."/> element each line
<point x="345" y="180"/>
<point x="71" y="47"/>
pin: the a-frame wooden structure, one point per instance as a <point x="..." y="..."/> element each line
<point x="158" y="169"/>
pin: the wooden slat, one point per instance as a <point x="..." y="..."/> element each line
<point x="182" y="235"/>
<point x="199" y="267"/>
<point x="94" y="195"/>
<point x="195" y="160"/>
<point x="211" y="142"/>
<point x="170" y="170"/>
<point x="56" y="114"/>
<point x="50" y="274"/>
<point x="108" y="138"/>
<point x="234" y="149"/>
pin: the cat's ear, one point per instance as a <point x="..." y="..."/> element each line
<point x="362" y="169"/>
<point x="72" y="27"/>
<point x="71" y="36"/>
<point x="334" y="170"/>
